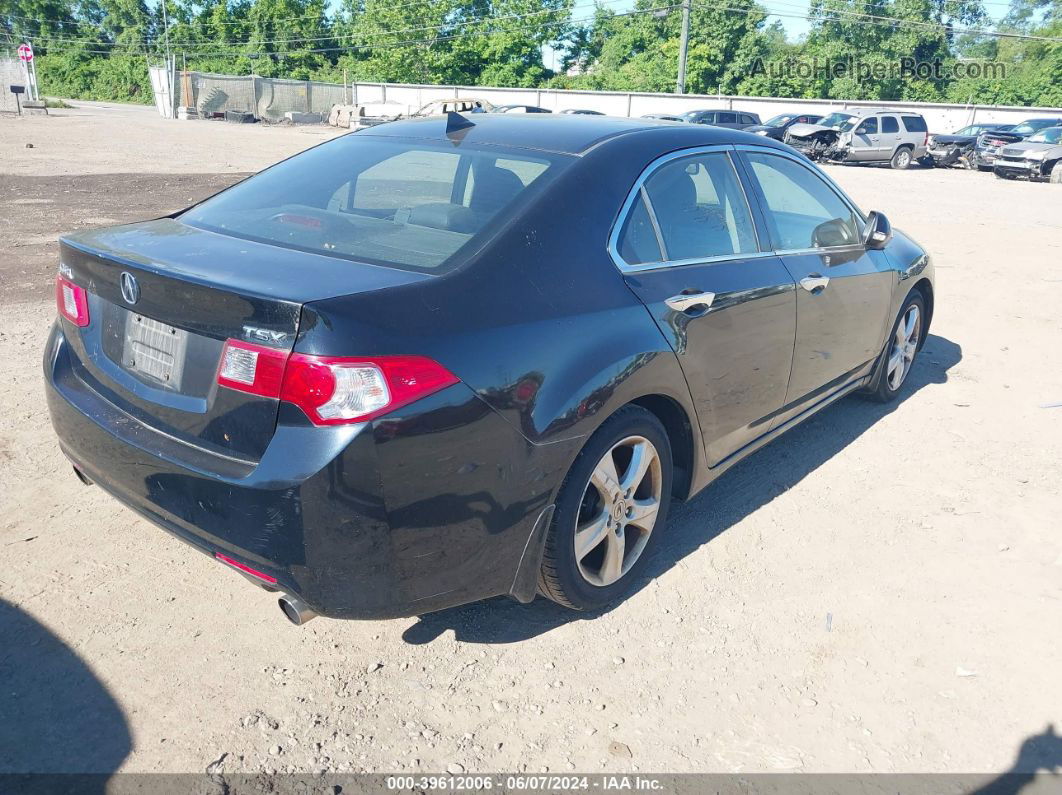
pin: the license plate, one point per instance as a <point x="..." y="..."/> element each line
<point x="155" y="350"/>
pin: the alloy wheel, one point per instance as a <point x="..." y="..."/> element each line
<point x="618" y="510"/>
<point x="904" y="347"/>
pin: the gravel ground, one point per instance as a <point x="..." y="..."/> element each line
<point x="880" y="590"/>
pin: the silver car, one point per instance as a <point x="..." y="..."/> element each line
<point x="868" y="136"/>
<point x="1037" y="157"/>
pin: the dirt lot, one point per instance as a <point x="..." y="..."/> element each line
<point x="880" y="590"/>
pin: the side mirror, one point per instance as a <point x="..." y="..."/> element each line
<point x="878" y="231"/>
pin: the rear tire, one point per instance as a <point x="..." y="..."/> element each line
<point x="900" y="350"/>
<point x="901" y="158"/>
<point x="609" y="518"/>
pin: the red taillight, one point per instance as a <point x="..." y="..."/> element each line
<point x="72" y="301"/>
<point x="252" y="368"/>
<point x="925" y="142"/>
<point x="332" y="390"/>
<point x="245" y="568"/>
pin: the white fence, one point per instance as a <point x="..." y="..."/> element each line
<point x="271" y="98"/>
<point x="941" y="117"/>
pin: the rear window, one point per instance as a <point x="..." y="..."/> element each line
<point x="407" y="205"/>
<point x="914" y="124"/>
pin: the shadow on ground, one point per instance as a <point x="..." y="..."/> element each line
<point x="745" y="488"/>
<point x="57" y="716"/>
<point x="1037" y="755"/>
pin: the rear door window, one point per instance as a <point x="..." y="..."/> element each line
<point x="388" y="202"/>
<point x="889" y="124"/>
<point x="727" y="118"/>
<point x="700" y="209"/>
<point x="638" y="242"/>
<point x="914" y="124"/>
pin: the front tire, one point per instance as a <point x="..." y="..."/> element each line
<point x="611" y="512"/>
<point x="898" y="357"/>
<point x="1056" y="173"/>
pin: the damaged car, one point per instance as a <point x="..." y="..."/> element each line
<point x="957" y="149"/>
<point x="813" y="140"/>
<point x="1038" y="157"/>
<point x="871" y="136"/>
<point x="990" y="144"/>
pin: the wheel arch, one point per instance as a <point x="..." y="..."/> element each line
<point x="925" y="288"/>
<point x="681" y="434"/>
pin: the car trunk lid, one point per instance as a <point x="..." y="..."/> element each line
<point x="163" y="299"/>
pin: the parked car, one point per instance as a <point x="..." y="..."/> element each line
<point x="813" y="139"/>
<point x="663" y="117"/>
<point x="582" y="112"/>
<point x="875" y="136"/>
<point x="381" y="379"/>
<point x="1037" y="157"/>
<point x="958" y="147"/>
<point x="735" y="120"/>
<point x="520" y="109"/>
<point x="990" y="144"/>
<point x="440" y="107"/>
<point x="776" y="126"/>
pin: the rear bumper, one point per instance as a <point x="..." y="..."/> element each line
<point x="401" y="516"/>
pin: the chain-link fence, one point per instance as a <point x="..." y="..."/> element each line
<point x="264" y="97"/>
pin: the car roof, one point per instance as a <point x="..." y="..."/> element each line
<point x="552" y="132"/>
<point x="892" y="111"/>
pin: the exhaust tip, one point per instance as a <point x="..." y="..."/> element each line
<point x="295" y="610"/>
<point x="83" y="477"/>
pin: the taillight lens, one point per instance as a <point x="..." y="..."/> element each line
<point x="332" y="390"/>
<point x="252" y="368"/>
<point x="72" y="301"/>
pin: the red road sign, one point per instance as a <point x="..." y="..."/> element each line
<point x="25" y="53"/>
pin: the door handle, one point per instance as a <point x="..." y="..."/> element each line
<point x="686" y="301"/>
<point x="814" y="282"/>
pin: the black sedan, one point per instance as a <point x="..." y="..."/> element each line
<point x="452" y="358"/>
<point x="777" y="126"/>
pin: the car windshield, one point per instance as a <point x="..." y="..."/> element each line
<point x="1052" y="135"/>
<point x="972" y="129"/>
<point x="1027" y="127"/>
<point x="410" y="205"/>
<point x="848" y="125"/>
<point x="835" y="120"/>
<point x="779" y="121"/>
<point x="690" y="114"/>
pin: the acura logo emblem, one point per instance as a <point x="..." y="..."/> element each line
<point x="130" y="289"/>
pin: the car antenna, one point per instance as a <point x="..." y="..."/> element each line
<point x="456" y="122"/>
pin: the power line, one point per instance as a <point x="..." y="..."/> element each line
<point x="397" y="44"/>
<point x="856" y="18"/>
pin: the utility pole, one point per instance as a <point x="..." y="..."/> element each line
<point x="684" y="44"/>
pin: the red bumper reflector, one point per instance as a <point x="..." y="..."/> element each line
<point x="245" y="568"/>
